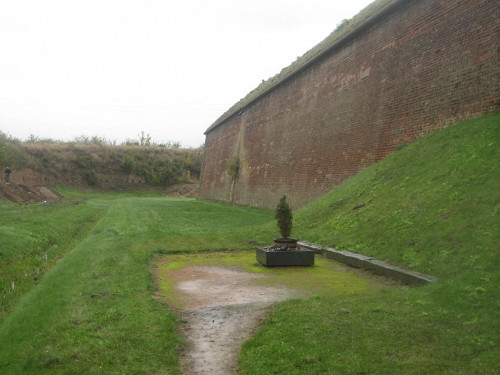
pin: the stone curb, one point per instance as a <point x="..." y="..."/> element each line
<point x="371" y="264"/>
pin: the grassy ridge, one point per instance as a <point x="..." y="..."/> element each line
<point x="158" y="165"/>
<point x="432" y="207"/>
<point x="93" y="312"/>
<point x="88" y="158"/>
<point x="33" y="238"/>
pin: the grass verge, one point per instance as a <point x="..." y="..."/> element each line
<point x="432" y="207"/>
<point x="33" y="238"/>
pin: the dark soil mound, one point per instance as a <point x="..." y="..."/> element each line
<point x="28" y="194"/>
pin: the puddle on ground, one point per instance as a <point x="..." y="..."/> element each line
<point x="199" y="287"/>
<point x="224" y="297"/>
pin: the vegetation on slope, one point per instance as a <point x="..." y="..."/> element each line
<point x="12" y="153"/>
<point x="33" y="238"/>
<point x="433" y="207"/>
<point x="158" y="164"/>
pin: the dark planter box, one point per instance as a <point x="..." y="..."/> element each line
<point x="271" y="258"/>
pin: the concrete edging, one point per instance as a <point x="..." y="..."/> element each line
<point x="371" y="264"/>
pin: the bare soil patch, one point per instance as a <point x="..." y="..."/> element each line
<point x="28" y="194"/>
<point x="222" y="305"/>
<point x="222" y="309"/>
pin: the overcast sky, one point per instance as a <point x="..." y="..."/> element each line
<point x="114" y="68"/>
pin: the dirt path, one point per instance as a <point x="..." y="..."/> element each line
<point x="224" y="297"/>
<point x="222" y="310"/>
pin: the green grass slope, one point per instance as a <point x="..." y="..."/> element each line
<point x="33" y="238"/>
<point x="433" y="207"/>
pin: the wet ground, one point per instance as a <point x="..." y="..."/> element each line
<point x="224" y="297"/>
<point x="222" y="309"/>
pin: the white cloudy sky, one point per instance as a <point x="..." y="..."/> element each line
<point x="114" y="68"/>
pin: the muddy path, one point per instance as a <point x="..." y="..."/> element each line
<point x="222" y="305"/>
<point x="222" y="309"/>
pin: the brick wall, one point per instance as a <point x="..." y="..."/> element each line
<point x="420" y="67"/>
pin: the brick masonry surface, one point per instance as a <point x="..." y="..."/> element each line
<point x="422" y="66"/>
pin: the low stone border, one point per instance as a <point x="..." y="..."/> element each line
<point x="371" y="264"/>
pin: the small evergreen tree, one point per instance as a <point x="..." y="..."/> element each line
<point x="284" y="217"/>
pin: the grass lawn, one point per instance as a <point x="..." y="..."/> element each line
<point x="33" y="238"/>
<point x="93" y="312"/>
<point x="82" y="298"/>
<point x="434" y="207"/>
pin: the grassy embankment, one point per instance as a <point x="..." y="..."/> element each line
<point x="98" y="163"/>
<point x="433" y="206"/>
<point x="33" y="238"/>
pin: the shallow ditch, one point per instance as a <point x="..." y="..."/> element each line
<point x="224" y="297"/>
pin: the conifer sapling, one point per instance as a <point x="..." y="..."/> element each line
<point x="284" y="217"/>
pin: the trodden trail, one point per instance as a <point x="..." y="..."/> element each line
<point x="222" y="299"/>
<point x="222" y="309"/>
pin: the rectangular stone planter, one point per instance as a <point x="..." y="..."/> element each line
<point x="298" y="257"/>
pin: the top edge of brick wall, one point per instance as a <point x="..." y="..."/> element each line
<point x="363" y="25"/>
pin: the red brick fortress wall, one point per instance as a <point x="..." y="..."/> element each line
<point x="420" y="66"/>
